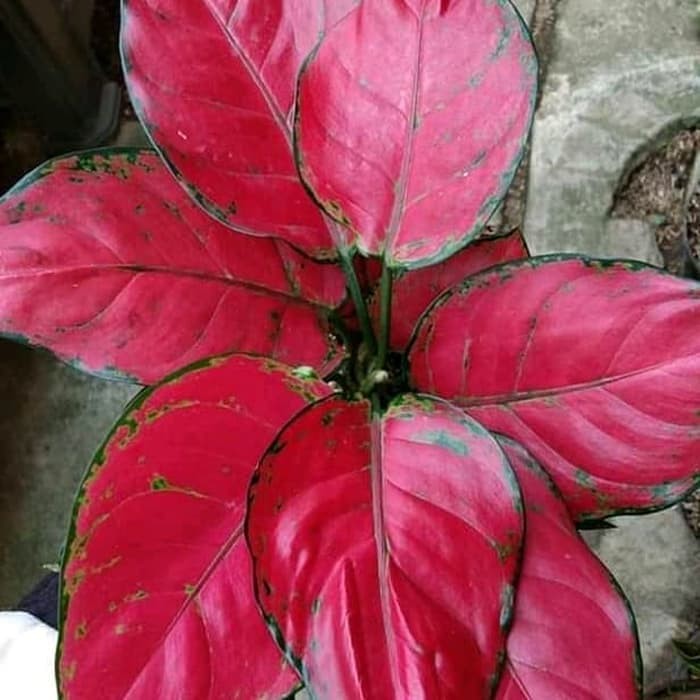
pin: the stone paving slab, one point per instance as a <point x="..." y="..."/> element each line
<point x="620" y="74"/>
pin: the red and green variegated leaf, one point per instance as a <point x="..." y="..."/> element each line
<point x="157" y="594"/>
<point x="106" y="262"/>
<point x="213" y="82"/>
<point x="594" y="366"/>
<point x="415" y="290"/>
<point x="573" y="635"/>
<point x="412" y="117"/>
<point x="386" y="548"/>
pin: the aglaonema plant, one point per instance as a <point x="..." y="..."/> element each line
<point x="372" y="497"/>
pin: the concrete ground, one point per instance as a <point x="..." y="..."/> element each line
<point x="618" y="74"/>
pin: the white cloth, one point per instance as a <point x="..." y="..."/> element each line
<point x="27" y="650"/>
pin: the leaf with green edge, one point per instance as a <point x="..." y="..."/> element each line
<point x="213" y="83"/>
<point x="157" y="597"/>
<point x="592" y="365"/>
<point x="573" y="636"/>
<point x="105" y="261"/>
<point x="408" y="145"/>
<point x="367" y="603"/>
<point x="414" y="290"/>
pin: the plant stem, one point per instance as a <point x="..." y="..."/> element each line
<point x="358" y="300"/>
<point x="384" y="315"/>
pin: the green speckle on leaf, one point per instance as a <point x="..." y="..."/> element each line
<point x="127" y="430"/>
<point x="661" y="491"/>
<point x="133" y="597"/>
<point x="478" y="159"/>
<point x="507" y="601"/>
<point x="276" y="447"/>
<point x="503" y="550"/>
<point x="159" y="483"/>
<point x="583" y="478"/>
<point x="305" y="372"/>
<point x="404" y="406"/>
<point x="15" y="213"/>
<point x="173" y="209"/>
<point x="476" y="79"/>
<point x="442" y="438"/>
<point x="503" y="41"/>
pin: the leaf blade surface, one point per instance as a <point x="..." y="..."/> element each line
<point x="157" y="594"/>
<point x="213" y="83"/>
<point x="593" y="366"/>
<point x="105" y="261"/>
<point x="573" y="635"/>
<point x="368" y="603"/>
<point x="412" y="118"/>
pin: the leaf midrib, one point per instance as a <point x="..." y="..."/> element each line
<point x="204" y="578"/>
<point x="517" y="397"/>
<point x="379" y="527"/>
<point x="162" y="270"/>
<point x="254" y="74"/>
<point x="409" y="139"/>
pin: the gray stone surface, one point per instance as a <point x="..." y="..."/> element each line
<point x="131" y="134"/>
<point x="629" y="238"/>
<point x="52" y="419"/>
<point x="526" y="8"/>
<point x="655" y="559"/>
<point x="620" y="73"/>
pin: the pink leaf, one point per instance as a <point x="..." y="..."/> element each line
<point x="157" y="583"/>
<point x="386" y="548"/>
<point x="412" y="118"/>
<point x="593" y="366"/>
<point x="573" y="635"/>
<point x="213" y="83"/>
<point x="106" y="262"/>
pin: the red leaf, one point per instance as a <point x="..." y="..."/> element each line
<point x="412" y="117"/>
<point x="369" y="537"/>
<point x="213" y="83"/>
<point x="415" y="290"/>
<point x="336" y="10"/>
<point x="105" y="261"/>
<point x="573" y="635"/>
<point x="157" y="595"/>
<point x="594" y="366"/>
